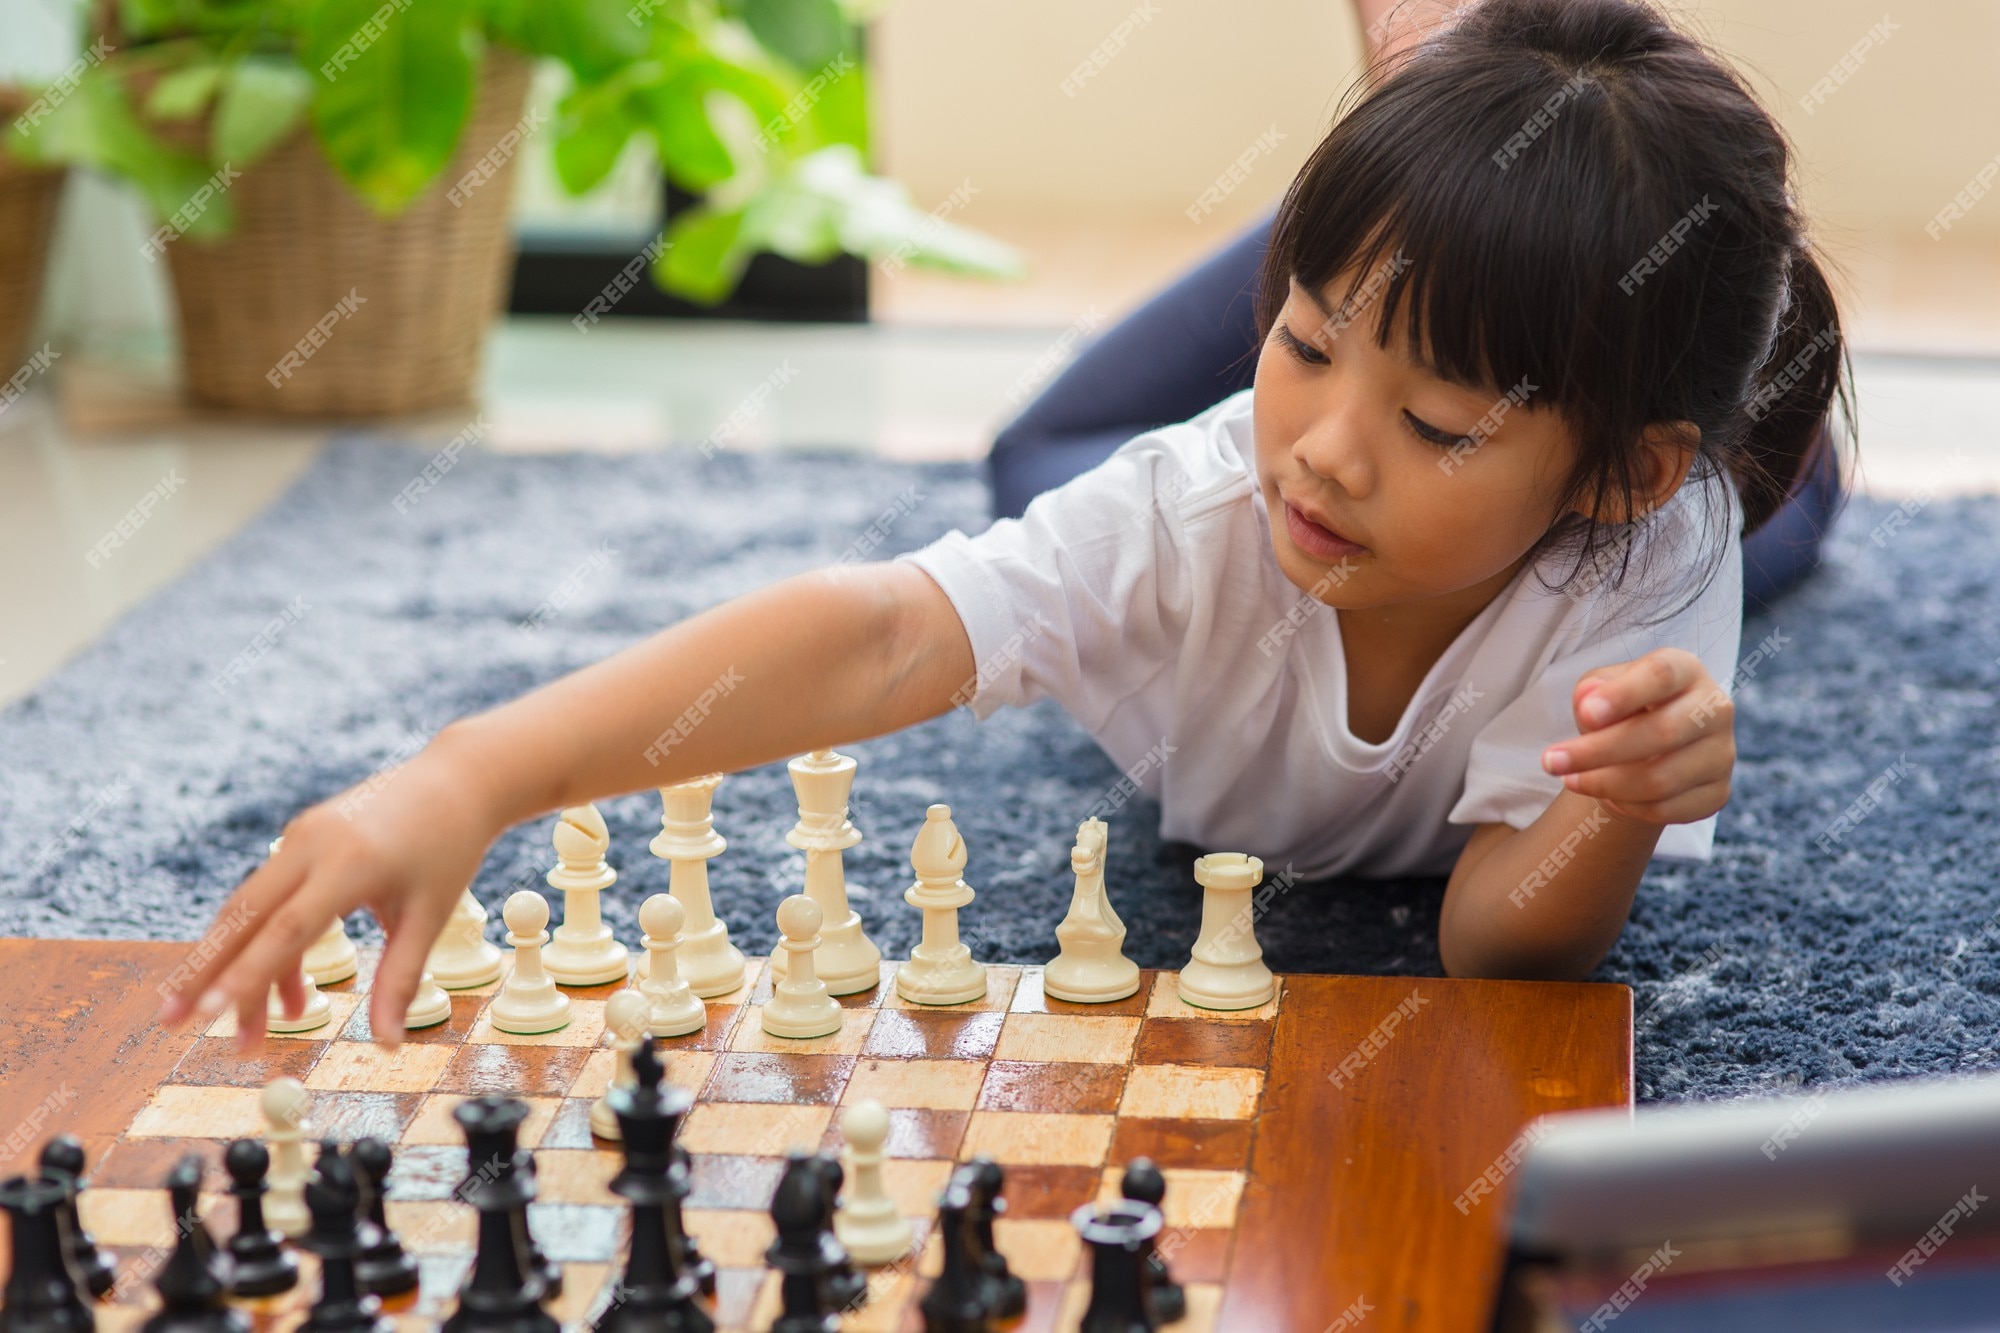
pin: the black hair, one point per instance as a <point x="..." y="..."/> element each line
<point x="1575" y="194"/>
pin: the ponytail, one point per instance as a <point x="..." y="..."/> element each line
<point x="1786" y="415"/>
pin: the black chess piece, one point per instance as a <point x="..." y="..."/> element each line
<point x="503" y="1293"/>
<point x="259" y="1263"/>
<point x="847" y="1283"/>
<point x="384" y="1267"/>
<point x="333" y="1197"/>
<point x="1007" y="1295"/>
<point x="493" y="1152"/>
<point x="62" y="1156"/>
<point x="799" y="1207"/>
<point x="1144" y="1183"/>
<point x="191" y="1286"/>
<point x="956" y="1301"/>
<point x="42" y="1295"/>
<point x="1121" y="1299"/>
<point x="658" y="1293"/>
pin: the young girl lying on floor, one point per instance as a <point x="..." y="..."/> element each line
<point x="1452" y="588"/>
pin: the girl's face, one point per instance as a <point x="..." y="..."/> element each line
<point x="1385" y="484"/>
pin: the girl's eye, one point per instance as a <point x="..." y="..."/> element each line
<point x="1299" y="349"/>
<point x="1430" y="434"/>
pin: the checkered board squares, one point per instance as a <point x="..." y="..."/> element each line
<point x="1063" y="1095"/>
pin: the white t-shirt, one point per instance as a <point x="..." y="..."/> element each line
<point x="1144" y="597"/>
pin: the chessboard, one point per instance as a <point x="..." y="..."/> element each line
<point x="1324" y="1154"/>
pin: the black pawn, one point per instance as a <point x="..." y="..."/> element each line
<point x="259" y="1263"/>
<point x="190" y="1286"/>
<point x="384" y="1268"/>
<point x="493" y="1153"/>
<point x="1144" y="1183"/>
<point x="62" y="1156"/>
<point x="658" y="1292"/>
<point x="1007" y="1295"/>
<point x="503" y="1293"/>
<point x="1120" y="1295"/>
<point x="956" y="1301"/>
<point x="799" y="1208"/>
<point x="333" y="1197"/>
<point x="848" y="1285"/>
<point x="42" y="1294"/>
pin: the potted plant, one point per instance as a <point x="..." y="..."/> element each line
<point x="28" y="196"/>
<point x="330" y="177"/>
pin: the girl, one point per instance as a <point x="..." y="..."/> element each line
<point x="1450" y="589"/>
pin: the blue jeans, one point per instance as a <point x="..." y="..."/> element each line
<point x="1195" y="343"/>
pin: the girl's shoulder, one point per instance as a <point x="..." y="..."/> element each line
<point x="1192" y="467"/>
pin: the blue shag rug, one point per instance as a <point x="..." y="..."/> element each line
<point x="330" y="637"/>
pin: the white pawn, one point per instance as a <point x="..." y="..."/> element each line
<point x="1092" y="967"/>
<point x="674" y="1010"/>
<point x="528" y="1001"/>
<point x="868" y="1223"/>
<point x="463" y="957"/>
<point x="625" y="1015"/>
<point x="429" y="1007"/>
<point x="284" y="1105"/>
<point x="318" y="1010"/>
<point x="799" y="1006"/>
<point x="940" y="969"/>
<point x="1227" y="970"/>
<point x="583" y="952"/>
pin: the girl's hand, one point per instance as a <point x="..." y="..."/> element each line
<point x="1657" y="742"/>
<point x="404" y="847"/>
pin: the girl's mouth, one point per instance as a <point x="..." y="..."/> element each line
<point x="1316" y="540"/>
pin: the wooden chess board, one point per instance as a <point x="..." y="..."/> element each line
<point x="1313" y="1148"/>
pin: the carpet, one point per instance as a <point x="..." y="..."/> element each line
<point x="337" y="631"/>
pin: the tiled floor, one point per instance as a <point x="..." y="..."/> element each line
<point x="103" y="431"/>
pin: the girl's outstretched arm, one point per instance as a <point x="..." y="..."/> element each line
<point x="821" y="659"/>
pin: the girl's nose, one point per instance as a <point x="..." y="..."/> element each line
<point x="1332" y="448"/>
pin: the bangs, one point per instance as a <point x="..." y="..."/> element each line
<point x="1505" y="271"/>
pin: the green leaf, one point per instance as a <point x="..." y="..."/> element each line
<point x="593" y="37"/>
<point x="389" y="110"/>
<point x="705" y="255"/>
<point x="97" y="127"/>
<point x="841" y="113"/>
<point x="808" y="33"/>
<point x="262" y="100"/>
<point x="593" y="125"/>
<point x="691" y="152"/>
<point x="184" y="93"/>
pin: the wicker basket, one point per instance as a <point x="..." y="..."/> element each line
<point x="28" y="196"/>
<point x="313" y="305"/>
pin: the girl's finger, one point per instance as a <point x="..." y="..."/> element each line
<point x="242" y="915"/>
<point x="280" y="942"/>
<point x="1696" y="803"/>
<point x="292" y="991"/>
<point x="1647" y="735"/>
<point x="1652" y="679"/>
<point x="413" y="928"/>
<point x="1662" y="779"/>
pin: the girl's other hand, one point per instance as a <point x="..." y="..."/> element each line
<point x="1657" y="740"/>
<point x="404" y="845"/>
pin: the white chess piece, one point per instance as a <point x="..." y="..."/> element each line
<point x="284" y="1105"/>
<point x="847" y="960"/>
<point x="1227" y="969"/>
<point x="429" y="1007"/>
<point x="318" y="1010"/>
<point x="868" y="1223"/>
<point x="463" y="958"/>
<point x="332" y="957"/>
<point x="687" y="840"/>
<point x="528" y="1001"/>
<point x="583" y="952"/>
<point x="625" y="1016"/>
<point x="1092" y="967"/>
<point x="799" y="1006"/>
<point x="674" y="1010"/>
<point x="940" y="969"/>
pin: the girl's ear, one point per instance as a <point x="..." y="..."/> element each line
<point x="1666" y="452"/>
